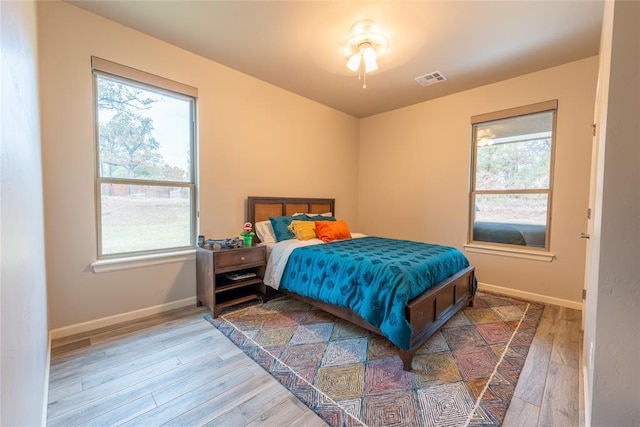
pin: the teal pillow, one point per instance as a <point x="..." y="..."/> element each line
<point x="280" y="225"/>
<point x="319" y="218"/>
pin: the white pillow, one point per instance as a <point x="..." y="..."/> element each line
<point x="265" y="233"/>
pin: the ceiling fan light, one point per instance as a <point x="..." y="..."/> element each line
<point x="369" y="57"/>
<point x="354" y="62"/>
<point x="366" y="42"/>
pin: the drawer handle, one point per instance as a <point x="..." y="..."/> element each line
<point x="242" y="258"/>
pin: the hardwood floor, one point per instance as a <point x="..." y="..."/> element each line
<point x="174" y="369"/>
<point x="548" y="390"/>
<point x="177" y="369"/>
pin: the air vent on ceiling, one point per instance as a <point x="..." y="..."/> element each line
<point x="431" y="78"/>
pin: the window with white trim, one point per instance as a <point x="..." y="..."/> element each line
<point x="145" y="162"/>
<point x="512" y="177"/>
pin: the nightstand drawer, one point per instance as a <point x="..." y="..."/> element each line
<point x="238" y="258"/>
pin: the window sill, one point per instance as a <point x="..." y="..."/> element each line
<point x="509" y="252"/>
<point x="116" y="264"/>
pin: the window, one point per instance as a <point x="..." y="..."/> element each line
<point x="512" y="176"/>
<point x="145" y="171"/>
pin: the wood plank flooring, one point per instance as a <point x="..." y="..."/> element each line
<point x="175" y="368"/>
<point x="548" y="390"/>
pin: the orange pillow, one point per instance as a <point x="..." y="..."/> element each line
<point x="332" y="230"/>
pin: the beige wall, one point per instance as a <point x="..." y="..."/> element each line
<point x="24" y="362"/>
<point x="414" y="175"/>
<point x="254" y="140"/>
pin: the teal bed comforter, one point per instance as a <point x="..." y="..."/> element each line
<point x="373" y="276"/>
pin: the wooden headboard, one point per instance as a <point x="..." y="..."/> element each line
<point x="261" y="208"/>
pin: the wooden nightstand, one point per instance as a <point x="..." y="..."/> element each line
<point x="216" y="289"/>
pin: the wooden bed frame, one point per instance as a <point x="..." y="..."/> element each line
<point x="426" y="313"/>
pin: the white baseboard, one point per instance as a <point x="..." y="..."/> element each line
<point x="119" y="318"/>
<point x="530" y="296"/>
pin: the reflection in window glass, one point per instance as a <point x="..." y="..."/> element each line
<point x="516" y="219"/>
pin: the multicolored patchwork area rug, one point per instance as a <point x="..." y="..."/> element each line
<point x="465" y="375"/>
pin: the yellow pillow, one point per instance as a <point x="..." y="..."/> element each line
<point x="332" y="230"/>
<point x="303" y="230"/>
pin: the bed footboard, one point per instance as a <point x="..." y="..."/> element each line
<point x="429" y="311"/>
<point x="426" y="313"/>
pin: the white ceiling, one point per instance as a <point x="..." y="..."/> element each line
<point x="299" y="45"/>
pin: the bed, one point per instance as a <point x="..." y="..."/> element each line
<point x="510" y="233"/>
<point x="424" y="313"/>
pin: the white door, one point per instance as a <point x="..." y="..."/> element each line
<point x="588" y="233"/>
